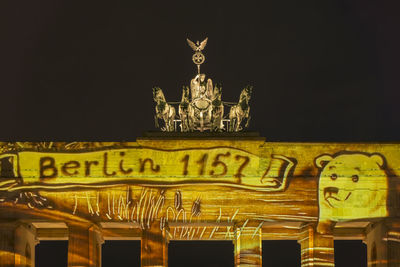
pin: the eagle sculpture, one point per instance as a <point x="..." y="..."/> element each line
<point x="199" y="46"/>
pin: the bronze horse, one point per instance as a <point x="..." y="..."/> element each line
<point x="240" y="111"/>
<point x="164" y="111"/>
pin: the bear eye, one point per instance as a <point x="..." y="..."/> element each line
<point x="333" y="176"/>
<point x="354" y="178"/>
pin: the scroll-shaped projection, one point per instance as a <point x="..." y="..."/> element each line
<point x="351" y="186"/>
<point x="223" y="166"/>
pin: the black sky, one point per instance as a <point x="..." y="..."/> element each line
<point x="83" y="70"/>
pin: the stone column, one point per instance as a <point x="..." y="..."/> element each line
<point x="383" y="244"/>
<point x="316" y="249"/>
<point x="7" y="244"/>
<point x="84" y="245"/>
<point x="25" y="242"/>
<point x="154" y="247"/>
<point x="247" y="244"/>
<point x="17" y="244"/>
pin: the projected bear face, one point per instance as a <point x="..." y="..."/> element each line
<point x="351" y="186"/>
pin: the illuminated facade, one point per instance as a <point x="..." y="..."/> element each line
<point x="237" y="188"/>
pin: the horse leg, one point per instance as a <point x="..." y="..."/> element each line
<point x="156" y="121"/>
<point x="172" y="118"/>
<point x="185" y="123"/>
<point x="165" y="119"/>
<point x="230" y="121"/>
<point x="234" y="121"/>
<point x="183" y="127"/>
<point x="248" y="121"/>
<point x="171" y="124"/>
<point x="239" y="118"/>
<point x="190" y="124"/>
<point x="238" y="122"/>
<point x="221" y="124"/>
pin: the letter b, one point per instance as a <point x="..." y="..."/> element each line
<point x="47" y="168"/>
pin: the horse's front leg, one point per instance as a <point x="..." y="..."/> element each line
<point x="248" y="121"/>
<point x="156" y="121"/>
<point x="190" y="124"/>
<point x="184" y="123"/>
<point x="239" y="118"/>
<point x="221" y="123"/>
<point x="165" y="119"/>
<point x="248" y="117"/>
<point x="172" y="115"/>
<point x="171" y="123"/>
<point x="189" y="121"/>
<point x="238" y="122"/>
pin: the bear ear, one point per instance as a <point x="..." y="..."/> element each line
<point x="378" y="159"/>
<point x="322" y="160"/>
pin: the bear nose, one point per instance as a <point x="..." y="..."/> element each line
<point x="331" y="190"/>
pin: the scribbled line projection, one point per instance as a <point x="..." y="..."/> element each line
<point x="149" y="207"/>
<point x="223" y="166"/>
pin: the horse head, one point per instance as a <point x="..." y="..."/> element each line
<point x="185" y="94"/>
<point x="245" y="95"/>
<point x="158" y="94"/>
<point x="217" y="93"/>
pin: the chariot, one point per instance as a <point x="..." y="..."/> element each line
<point x="201" y="108"/>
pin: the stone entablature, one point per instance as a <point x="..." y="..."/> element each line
<point x="213" y="187"/>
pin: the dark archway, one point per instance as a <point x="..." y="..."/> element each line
<point x="350" y="253"/>
<point x="200" y="254"/>
<point x="51" y="253"/>
<point x="120" y="253"/>
<point x="281" y="253"/>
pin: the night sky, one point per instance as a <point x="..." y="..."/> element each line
<point x="83" y="70"/>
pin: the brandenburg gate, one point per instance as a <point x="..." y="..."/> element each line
<point x="199" y="179"/>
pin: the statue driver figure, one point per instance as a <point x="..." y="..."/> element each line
<point x="199" y="87"/>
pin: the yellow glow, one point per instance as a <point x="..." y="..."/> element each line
<point x="352" y="186"/>
<point x="224" y="166"/>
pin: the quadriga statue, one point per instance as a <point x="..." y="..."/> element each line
<point x="201" y="107"/>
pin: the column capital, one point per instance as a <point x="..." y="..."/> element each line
<point x="248" y="245"/>
<point x="383" y="242"/>
<point x="84" y="244"/>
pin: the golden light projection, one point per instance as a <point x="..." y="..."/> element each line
<point x="351" y="186"/>
<point x="204" y="189"/>
<point x="220" y="166"/>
